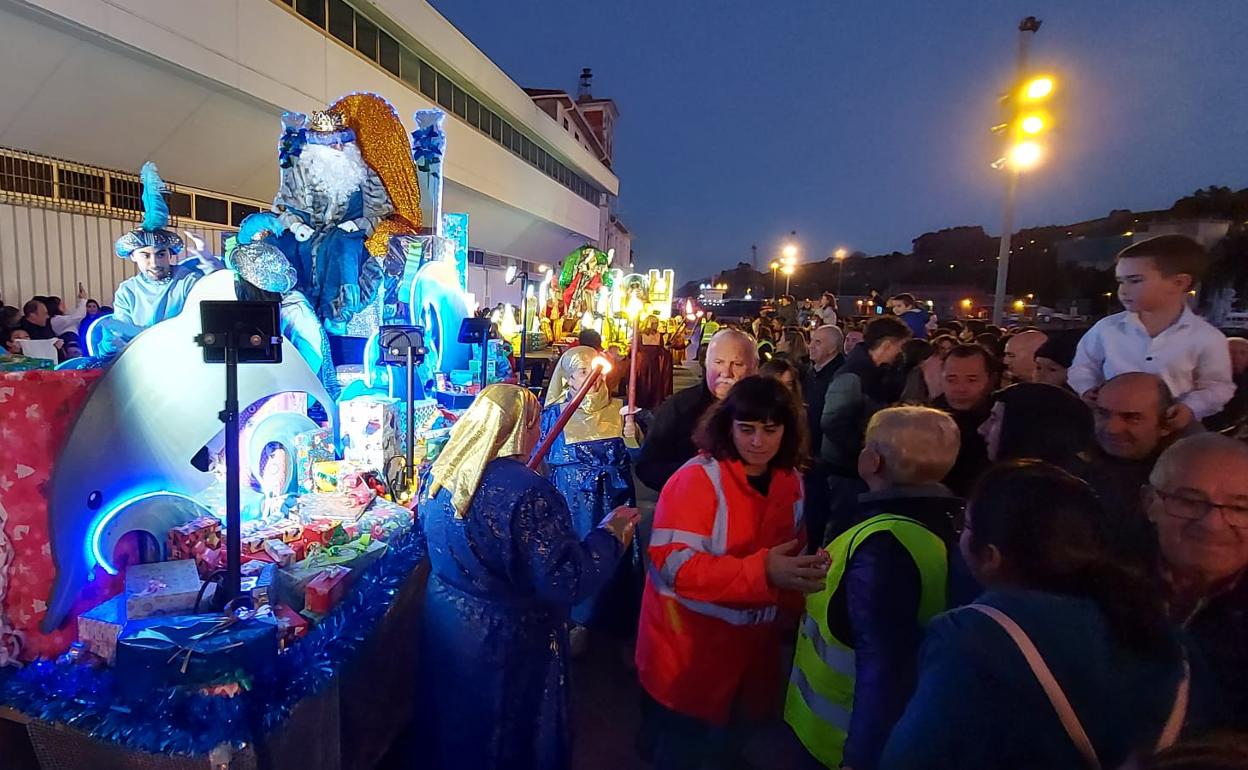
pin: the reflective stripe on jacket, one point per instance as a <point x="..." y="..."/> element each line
<point x="708" y="612"/>
<point x="821" y="686"/>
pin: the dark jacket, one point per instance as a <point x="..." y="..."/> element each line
<point x="876" y="607"/>
<point x="973" y="452"/>
<point x="1219" y="631"/>
<point x="1118" y="483"/>
<point x="37" y="332"/>
<point x="815" y="389"/>
<point x="856" y="392"/>
<point x="916" y="319"/>
<point x="978" y="704"/>
<point x="669" y="444"/>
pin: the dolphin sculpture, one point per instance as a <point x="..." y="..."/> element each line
<point x="131" y="447"/>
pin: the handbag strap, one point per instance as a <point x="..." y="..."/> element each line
<point x="1065" y="712"/>
<point x="1178" y="712"/>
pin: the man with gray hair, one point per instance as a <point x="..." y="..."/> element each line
<point x="860" y="635"/>
<point x="1198" y="499"/>
<point x="731" y="355"/>
<point x="827" y="345"/>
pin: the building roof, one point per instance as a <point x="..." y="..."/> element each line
<point x="585" y="127"/>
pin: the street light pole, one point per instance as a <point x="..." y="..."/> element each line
<point x="1026" y="30"/>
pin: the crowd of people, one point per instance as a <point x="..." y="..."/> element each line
<point x="945" y="547"/>
<point x="47" y="318"/>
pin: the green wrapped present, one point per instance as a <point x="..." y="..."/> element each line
<point x="292" y="581"/>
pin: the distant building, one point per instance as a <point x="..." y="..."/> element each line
<point x="1206" y="232"/>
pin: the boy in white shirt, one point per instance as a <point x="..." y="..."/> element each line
<point x="1157" y="332"/>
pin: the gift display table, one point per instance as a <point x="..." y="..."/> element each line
<point x="349" y="725"/>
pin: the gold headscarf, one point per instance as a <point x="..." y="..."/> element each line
<point x="502" y="422"/>
<point x="599" y="415"/>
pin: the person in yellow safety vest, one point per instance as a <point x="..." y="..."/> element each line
<point x="856" y="660"/>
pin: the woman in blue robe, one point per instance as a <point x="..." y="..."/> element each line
<point x="505" y="570"/>
<point x="590" y="465"/>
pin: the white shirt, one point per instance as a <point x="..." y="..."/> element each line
<point x="1191" y="355"/>
<point x="69" y="321"/>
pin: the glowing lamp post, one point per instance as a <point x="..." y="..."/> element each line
<point x="633" y="310"/>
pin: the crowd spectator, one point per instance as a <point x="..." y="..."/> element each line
<point x="896" y="568"/>
<point x="793" y="347"/>
<point x="906" y="378"/>
<point x="1043" y="422"/>
<point x="1157" y="332"/>
<point x="61" y="321"/>
<point x="853" y="338"/>
<point x="992" y="343"/>
<point x="786" y="372"/>
<point x="826" y="357"/>
<point x="10" y="317"/>
<point x="1134" y="420"/>
<point x="969" y="376"/>
<point x="1198" y="500"/>
<point x="35" y="320"/>
<point x="725" y="569"/>
<point x="943" y="343"/>
<point x="1235" y="413"/>
<point x="1098" y="630"/>
<point x="827" y="309"/>
<point x="907" y="309"/>
<point x="786" y="312"/>
<point x="11" y="340"/>
<point x="857" y="391"/>
<point x="1054" y="357"/>
<point x="730" y="356"/>
<point x="588" y="338"/>
<point x="1020" y="355"/>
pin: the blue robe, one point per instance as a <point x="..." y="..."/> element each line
<point x="140" y="302"/>
<point x="594" y="477"/>
<point x="493" y="682"/>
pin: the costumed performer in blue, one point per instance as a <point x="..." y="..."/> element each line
<point x="506" y="569"/>
<point x="589" y="463"/>
<point x="160" y="289"/>
<point x="266" y="274"/>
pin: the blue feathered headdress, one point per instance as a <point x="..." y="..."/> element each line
<point x="153" y="232"/>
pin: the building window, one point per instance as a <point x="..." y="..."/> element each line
<point x="428" y="81"/>
<point x="342" y="22"/>
<point x="517" y="142"/>
<point x="366" y="37"/>
<point x="28" y="177"/>
<point x="444" y="91"/>
<point x="410" y="69"/>
<point x="565" y="124"/>
<point x="179" y="204"/>
<point x="77" y="186"/>
<point x="496" y="129"/>
<point x="125" y="194"/>
<point x="212" y="209"/>
<point x="474" y="113"/>
<point x="312" y="10"/>
<point x="459" y="101"/>
<point x="388" y="52"/>
<point x="240" y="211"/>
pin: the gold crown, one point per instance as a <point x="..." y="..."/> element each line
<point x="324" y="121"/>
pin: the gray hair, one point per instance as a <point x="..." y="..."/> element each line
<point x="1175" y="460"/>
<point x="838" y="336"/>
<point x="739" y="337"/>
<point x="919" y="444"/>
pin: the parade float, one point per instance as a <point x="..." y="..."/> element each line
<point x="206" y="532"/>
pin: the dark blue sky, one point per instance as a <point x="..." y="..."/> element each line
<point x="865" y="124"/>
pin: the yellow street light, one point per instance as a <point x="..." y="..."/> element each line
<point x="789" y="251"/>
<point x="1037" y="88"/>
<point x="841" y="254"/>
<point x="774" y="265"/>
<point x="966" y="303"/>
<point x="1032" y="124"/>
<point x="1019" y="305"/>
<point x="1025" y="155"/>
<point x="787" y="270"/>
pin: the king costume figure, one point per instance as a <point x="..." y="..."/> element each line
<point x="160" y="289"/>
<point x="348" y="183"/>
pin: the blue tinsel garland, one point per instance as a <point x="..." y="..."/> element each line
<point x="181" y="721"/>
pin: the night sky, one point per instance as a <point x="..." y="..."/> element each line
<point x="865" y="124"/>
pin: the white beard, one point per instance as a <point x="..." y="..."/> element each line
<point x="337" y="174"/>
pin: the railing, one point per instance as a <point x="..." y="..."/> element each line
<point x="38" y="180"/>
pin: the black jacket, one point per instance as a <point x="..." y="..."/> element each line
<point x="1219" y="629"/>
<point x="876" y="607"/>
<point x="973" y="452"/>
<point x="37" y="332"/>
<point x="815" y="389"/>
<point x="669" y="443"/>
<point x="856" y="392"/>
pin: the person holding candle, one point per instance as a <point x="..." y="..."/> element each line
<point x="589" y="463"/>
<point x="506" y="567"/>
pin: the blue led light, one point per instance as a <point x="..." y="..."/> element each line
<point x="94" y="555"/>
<point x="86" y="335"/>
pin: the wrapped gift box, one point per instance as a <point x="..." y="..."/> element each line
<point x="99" y="627"/>
<point x="292" y="582"/>
<point x="24" y="364"/>
<point x="311" y="447"/>
<point x="192" y="651"/>
<point x="182" y="540"/>
<point x="370" y="431"/>
<point x="281" y="554"/>
<point x="262" y="586"/>
<point x="384" y="519"/>
<point x="162" y="588"/>
<point x="37" y="409"/>
<point x="331" y="506"/>
<point x="326" y="589"/>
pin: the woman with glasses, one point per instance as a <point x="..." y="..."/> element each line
<point x="1198" y="500"/>
<point x="1066" y="661"/>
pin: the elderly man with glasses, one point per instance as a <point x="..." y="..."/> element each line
<point x="1198" y="498"/>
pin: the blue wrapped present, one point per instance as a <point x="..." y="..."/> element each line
<point x="193" y="651"/>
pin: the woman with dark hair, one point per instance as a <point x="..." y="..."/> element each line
<point x="724" y="560"/>
<point x="784" y="370"/>
<point x="1066" y="661"/>
<point x="654" y="365"/>
<point x="1043" y="422"/>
